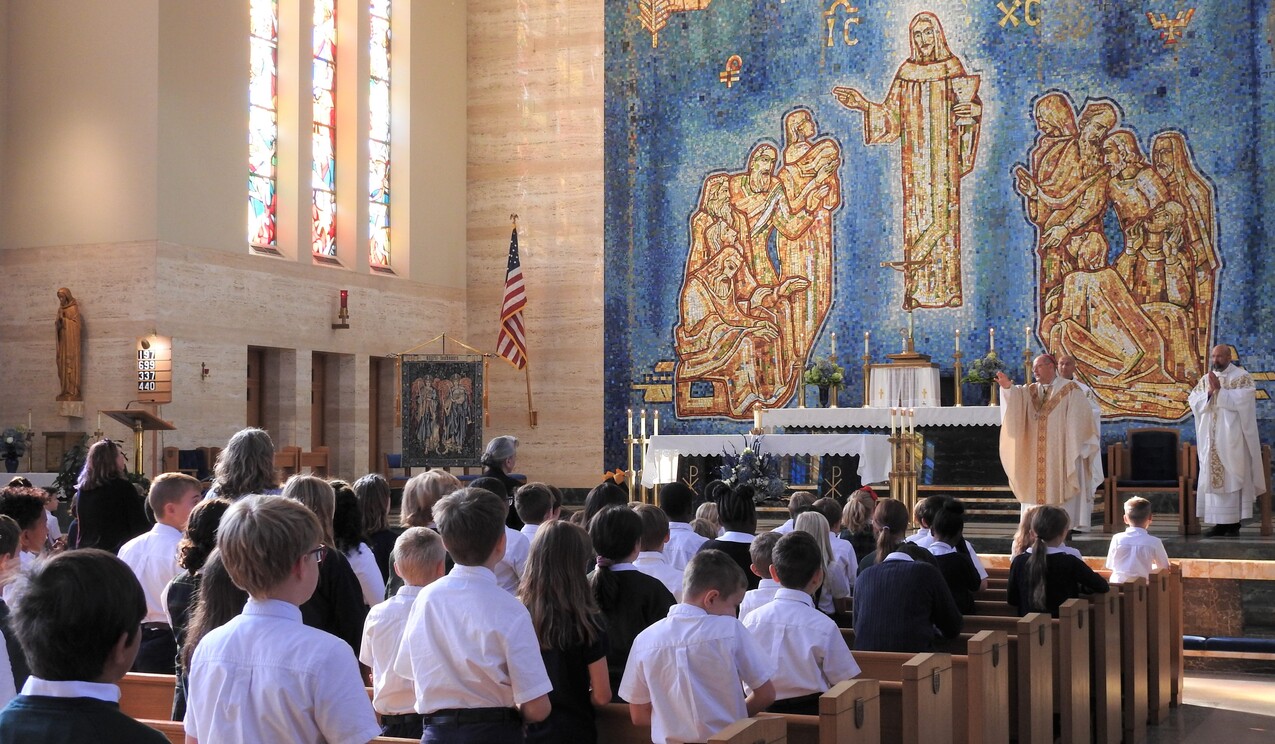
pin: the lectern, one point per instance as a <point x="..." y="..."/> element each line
<point x="140" y="422"/>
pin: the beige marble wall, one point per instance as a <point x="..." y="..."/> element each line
<point x="535" y="149"/>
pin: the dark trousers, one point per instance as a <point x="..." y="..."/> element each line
<point x="473" y="733"/>
<point x="806" y="705"/>
<point x="407" y="726"/>
<point x="158" y="654"/>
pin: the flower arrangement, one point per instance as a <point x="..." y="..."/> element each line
<point x="824" y="372"/>
<point x="13" y="442"/>
<point x="755" y="468"/>
<point x="983" y="371"/>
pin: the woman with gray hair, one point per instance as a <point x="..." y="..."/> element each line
<point x="499" y="460"/>
<point x="246" y="466"/>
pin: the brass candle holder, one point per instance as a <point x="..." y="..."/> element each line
<point x="956" y="382"/>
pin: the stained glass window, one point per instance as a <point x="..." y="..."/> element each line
<point x="263" y="121"/>
<point x="379" y="138"/>
<point x="323" y="138"/>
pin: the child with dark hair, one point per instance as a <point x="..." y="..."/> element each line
<point x="373" y="493"/>
<point x="652" y="560"/>
<point x="890" y="524"/>
<point x="759" y="553"/>
<point x="468" y="645"/>
<point x="26" y="507"/>
<point x="517" y="546"/>
<point x="804" y="643"/>
<point x="628" y="599"/>
<point x="14" y="670"/>
<point x="600" y="497"/>
<point x="925" y="513"/>
<point x="348" y="534"/>
<point x="952" y="554"/>
<point x="1042" y="579"/>
<point x="537" y="505"/>
<point x="78" y="624"/>
<point x="686" y="674"/>
<point x="677" y="500"/>
<point x="738" y="512"/>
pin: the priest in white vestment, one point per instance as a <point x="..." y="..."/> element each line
<point x="1225" y="406"/>
<point x="1050" y="447"/>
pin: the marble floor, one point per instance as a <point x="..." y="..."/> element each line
<point x="1235" y="708"/>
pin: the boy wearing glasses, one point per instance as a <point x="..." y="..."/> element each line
<point x="264" y="676"/>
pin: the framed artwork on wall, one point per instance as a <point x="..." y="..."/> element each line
<point x="442" y="410"/>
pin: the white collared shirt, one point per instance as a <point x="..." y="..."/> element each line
<point x="683" y="542"/>
<point x="363" y="562"/>
<point x="264" y="677"/>
<point x="529" y="531"/>
<point x="689" y="667"/>
<point x="921" y="537"/>
<point x="470" y="644"/>
<point x="153" y="558"/>
<point x="7" y="690"/>
<point x="755" y="598"/>
<point x="392" y="694"/>
<point x="18" y="584"/>
<point x="1061" y="549"/>
<point x="785" y="528"/>
<point x="75" y="688"/>
<point x="737" y="537"/>
<point x="805" y="645"/>
<point x="1135" y="553"/>
<point x="653" y="564"/>
<point x="509" y="570"/>
<point x="899" y="555"/>
<point x="843" y="554"/>
<point x="938" y="547"/>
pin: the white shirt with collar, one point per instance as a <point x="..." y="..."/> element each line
<point x="755" y="598"/>
<point x="683" y="542"/>
<point x="7" y="689"/>
<point x="805" y="645"/>
<point x="107" y="693"/>
<point x="470" y="644"/>
<point x="1064" y="548"/>
<point x="509" y="570"/>
<point x="392" y="694"/>
<point x="264" y="676"/>
<point x="1135" y="553"/>
<point x="363" y="563"/>
<point x="737" y="537"/>
<point x="689" y="667"/>
<point x="15" y="588"/>
<point x="925" y="539"/>
<point x="153" y="558"/>
<point x="843" y="554"/>
<point x="786" y="527"/>
<point x="921" y="537"/>
<point x="529" y="531"/>
<point x="655" y="564"/>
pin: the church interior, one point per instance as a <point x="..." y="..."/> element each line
<point x="709" y="200"/>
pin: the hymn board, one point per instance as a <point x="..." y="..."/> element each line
<point x="155" y="369"/>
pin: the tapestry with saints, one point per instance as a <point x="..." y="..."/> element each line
<point x="1085" y="177"/>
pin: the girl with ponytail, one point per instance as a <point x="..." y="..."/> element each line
<point x="1045" y="576"/>
<point x="890" y="523"/>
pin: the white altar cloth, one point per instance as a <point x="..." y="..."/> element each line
<point x="898" y="385"/>
<point x="663" y="450"/>
<point x="831" y="418"/>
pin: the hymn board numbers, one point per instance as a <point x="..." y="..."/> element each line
<point x="155" y="369"/>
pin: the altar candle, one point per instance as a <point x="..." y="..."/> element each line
<point x="757" y="417"/>
<point x="630" y="410"/>
<point x="28" y="419"/>
<point x="643" y="422"/>
<point x="891" y="422"/>
<point x="99" y="420"/>
<point x="991" y="339"/>
<point x="910" y="336"/>
<point x="958" y="340"/>
<point x="912" y="421"/>
<point x="1027" y="337"/>
<point x="866" y="335"/>
<point x="834" y="344"/>
<point x="655" y="431"/>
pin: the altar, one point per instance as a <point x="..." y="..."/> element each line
<point x="878" y="418"/>
<point x="662" y="451"/>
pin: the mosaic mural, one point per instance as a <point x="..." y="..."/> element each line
<point x="1088" y="172"/>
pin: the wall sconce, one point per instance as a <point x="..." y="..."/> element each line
<point x="343" y="315"/>
<point x="204" y="371"/>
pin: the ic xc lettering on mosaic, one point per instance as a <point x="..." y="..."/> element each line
<point x="747" y="320"/>
<point x="1135" y="310"/>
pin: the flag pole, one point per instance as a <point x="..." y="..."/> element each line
<point x="531" y="409"/>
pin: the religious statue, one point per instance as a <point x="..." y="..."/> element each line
<point x="69" y="331"/>
<point x="933" y="108"/>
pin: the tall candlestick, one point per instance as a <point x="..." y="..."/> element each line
<point x="630" y="423"/>
<point x="642" y="416"/>
<point x="958" y="340"/>
<point x="910" y="336"/>
<point x="991" y="339"/>
<point x="834" y="344"/>
<point x="655" y="431"/>
<point x="866" y="335"/>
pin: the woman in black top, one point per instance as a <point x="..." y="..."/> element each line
<point x="499" y="460"/>
<point x="373" y="493"/>
<point x="197" y="543"/>
<point x="1040" y="581"/>
<point x="628" y="599"/>
<point x="110" y="509"/>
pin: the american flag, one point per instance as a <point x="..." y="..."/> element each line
<point x="512" y="341"/>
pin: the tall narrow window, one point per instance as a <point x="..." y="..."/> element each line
<point x="263" y="121"/>
<point x="379" y="139"/>
<point x="323" y="176"/>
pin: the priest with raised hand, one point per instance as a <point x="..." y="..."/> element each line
<point x="1050" y="447"/>
<point x="1225" y="406"/>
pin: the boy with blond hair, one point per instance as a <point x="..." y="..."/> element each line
<point x="469" y="644"/>
<point x="265" y="676"/>
<point x="418" y="559"/>
<point x="153" y="557"/>
<point x="685" y="674"/>
<point x="1135" y="552"/>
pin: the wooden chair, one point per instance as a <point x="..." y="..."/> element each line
<point x="287" y="460"/>
<point x="317" y="461"/>
<point x="393" y="470"/>
<point x="1151" y="460"/>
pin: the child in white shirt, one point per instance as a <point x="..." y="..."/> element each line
<point x="418" y="560"/>
<point x="759" y="552"/>
<point x="536" y="505"/>
<point x="685" y="674"/>
<point x="805" y="644"/>
<point x="651" y="559"/>
<point x="1134" y="552"/>
<point x="676" y="500"/>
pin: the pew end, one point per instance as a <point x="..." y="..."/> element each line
<point x="767" y="730"/>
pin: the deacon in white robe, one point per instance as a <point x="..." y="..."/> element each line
<point x="1050" y="447"/>
<point x="1225" y="406"/>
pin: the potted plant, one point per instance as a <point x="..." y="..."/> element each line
<point x="13" y="445"/>
<point x="757" y="469"/>
<point x="825" y="374"/>
<point x="982" y="373"/>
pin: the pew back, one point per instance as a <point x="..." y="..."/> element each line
<point x="767" y="730"/>
<point x="1104" y="638"/>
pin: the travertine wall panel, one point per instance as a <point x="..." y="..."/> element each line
<point x="535" y="148"/>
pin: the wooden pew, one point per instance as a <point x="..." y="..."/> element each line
<point x="1104" y="646"/>
<point x="918" y="709"/>
<point x="769" y="730"/>
<point x="849" y="712"/>
<point x="1072" y="660"/>
<point x="1175" y="634"/>
<point x="1031" y="672"/>
<point x="147" y="695"/>
<point x="980" y="681"/>
<point x="1160" y="645"/>
<point x="177" y="735"/>
<point x="1133" y="661"/>
<point x="614" y="724"/>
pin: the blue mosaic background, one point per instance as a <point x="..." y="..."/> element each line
<point x="670" y="122"/>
